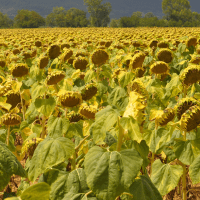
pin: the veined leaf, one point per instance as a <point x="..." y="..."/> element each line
<point x="143" y="189"/>
<point x="57" y="126"/>
<point x="165" y="176"/>
<point x="9" y="165"/>
<point x="37" y="90"/>
<point x="111" y="173"/>
<point x="50" y="152"/>
<point x="194" y="171"/>
<point x="39" y="191"/>
<point x="45" y="106"/>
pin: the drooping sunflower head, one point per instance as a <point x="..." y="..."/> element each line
<point x="137" y="61"/>
<point x="89" y="91"/>
<point x="74" y="117"/>
<point x="88" y="111"/>
<point x="43" y="62"/>
<point x="195" y="59"/>
<point x="19" y="70"/>
<point x="190" y="119"/>
<point x="184" y="104"/>
<point x="163" y="44"/>
<point x="153" y="43"/>
<point x="139" y="72"/>
<point x="53" y="51"/>
<point x="5" y="88"/>
<point x="159" y="67"/>
<point x="30" y="146"/>
<point x="165" y="116"/>
<point x="13" y="98"/>
<point x="138" y="86"/>
<point x="80" y="63"/>
<point x="54" y="77"/>
<point x="10" y="119"/>
<point x="190" y="75"/>
<point x="165" y="55"/>
<point x="192" y="41"/>
<point x="70" y="99"/>
<point x="66" y="55"/>
<point x="99" y="57"/>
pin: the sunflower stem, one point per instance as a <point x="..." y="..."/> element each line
<point x="43" y="127"/>
<point x="152" y="161"/>
<point x="8" y="135"/>
<point x="23" y="108"/>
<point x="184" y="190"/>
<point x="120" y="136"/>
<point x="73" y="163"/>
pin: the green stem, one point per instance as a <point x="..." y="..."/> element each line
<point x="73" y="163"/>
<point x="8" y="135"/>
<point x="43" y="127"/>
<point x="56" y="88"/>
<point x="152" y="161"/>
<point x="23" y="108"/>
<point x="120" y="136"/>
<point x="66" y="110"/>
<point x="184" y="91"/>
<point x="82" y="141"/>
<point x="184" y="135"/>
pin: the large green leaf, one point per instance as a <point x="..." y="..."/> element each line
<point x="194" y="171"/>
<point x="57" y="179"/>
<point x="57" y="126"/>
<point x="45" y="106"/>
<point x="75" y="129"/>
<point x="37" y="90"/>
<point x="9" y="165"/>
<point x="89" y="75"/>
<point x="133" y="128"/>
<point x="187" y="151"/>
<point x="50" y="152"/>
<point x="157" y="139"/>
<point x="143" y="189"/>
<point x="165" y="176"/>
<point x="126" y="78"/>
<point x="111" y="173"/>
<point x="76" y="182"/>
<point x="39" y="191"/>
<point x="104" y="121"/>
<point x="118" y="97"/>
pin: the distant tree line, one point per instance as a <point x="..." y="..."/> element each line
<point x="177" y="13"/>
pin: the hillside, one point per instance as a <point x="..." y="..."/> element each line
<point x="119" y="7"/>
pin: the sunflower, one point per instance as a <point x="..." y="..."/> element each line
<point x="55" y="77"/>
<point x="190" y="119"/>
<point x="137" y="61"/>
<point x="70" y="99"/>
<point x="43" y="62"/>
<point x="74" y="117"/>
<point x="159" y="67"/>
<point x="53" y="51"/>
<point x="13" y="98"/>
<point x="19" y="70"/>
<point x="165" y="55"/>
<point x="89" y="91"/>
<point x="80" y="63"/>
<point x="11" y="119"/>
<point x="190" y="75"/>
<point x="88" y="111"/>
<point x="99" y="57"/>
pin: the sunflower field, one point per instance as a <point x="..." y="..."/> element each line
<point x="100" y="114"/>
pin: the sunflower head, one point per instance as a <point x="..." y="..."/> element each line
<point x="13" y="98"/>
<point x="70" y="99"/>
<point x="165" y="55"/>
<point x="2" y="63"/>
<point x="138" y="86"/>
<point x="43" y="62"/>
<point x="30" y="146"/>
<point x="74" y="117"/>
<point x="11" y="119"/>
<point x="66" y="55"/>
<point x="53" y="51"/>
<point x="192" y="41"/>
<point x="190" y="75"/>
<point x="163" y="44"/>
<point x="80" y="63"/>
<point x="89" y="91"/>
<point x="99" y="57"/>
<point x="165" y="116"/>
<point x="88" y="111"/>
<point x="38" y="43"/>
<point x="195" y="59"/>
<point x="19" y="70"/>
<point x="159" y="67"/>
<point x="184" y="104"/>
<point x="137" y="61"/>
<point x="153" y="43"/>
<point x="190" y="119"/>
<point x="55" y="77"/>
<point x="139" y="72"/>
